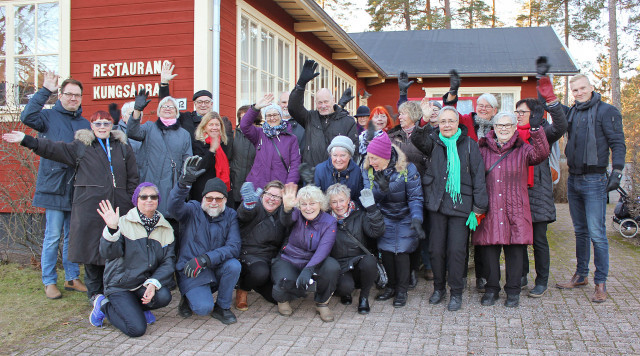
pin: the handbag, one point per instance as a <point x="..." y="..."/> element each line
<point x="382" y="279"/>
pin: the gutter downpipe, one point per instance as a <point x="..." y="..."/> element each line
<point x="216" y="56"/>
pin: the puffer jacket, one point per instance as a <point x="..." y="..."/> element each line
<point x="361" y="225"/>
<point x="240" y="162"/>
<point x="400" y="139"/>
<point x="54" y="185"/>
<point x="400" y="204"/>
<point x="326" y="175"/>
<point x="310" y="242"/>
<point x="262" y="233"/>
<point x="508" y="220"/>
<point x="161" y="155"/>
<point x="135" y="257"/>
<point x="472" y="181"/>
<point x="320" y="130"/>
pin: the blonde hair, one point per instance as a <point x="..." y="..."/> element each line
<point x="578" y="77"/>
<point x="313" y="193"/>
<point x="201" y="135"/>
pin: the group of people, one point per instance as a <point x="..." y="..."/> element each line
<point x="298" y="201"/>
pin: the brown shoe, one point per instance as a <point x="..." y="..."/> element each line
<point x="241" y="300"/>
<point x="600" y="294"/>
<point x="75" y="285"/>
<point x="576" y="281"/>
<point x="325" y="313"/>
<point x="428" y="275"/>
<point x="52" y="291"/>
<point x="284" y="308"/>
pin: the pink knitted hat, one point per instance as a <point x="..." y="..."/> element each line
<point x="380" y="146"/>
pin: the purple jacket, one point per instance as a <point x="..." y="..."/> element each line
<point x="310" y="242"/>
<point x="508" y="220"/>
<point x="267" y="165"/>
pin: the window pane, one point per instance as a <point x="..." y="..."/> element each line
<point x="46" y="63"/>
<point x="254" y="45"/>
<point x="286" y="63"/>
<point x="24" y="79"/>
<point x="25" y="30"/>
<point x="48" y="28"/>
<point x="264" y="86"/>
<point x="253" y="80"/>
<point x="244" y="40"/>
<point x="245" y="97"/>
<point x="264" y="55"/>
<point x="271" y="54"/>
<point x="3" y="83"/>
<point x="3" y="34"/>
<point x="280" y="58"/>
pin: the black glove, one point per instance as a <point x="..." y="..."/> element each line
<point x="542" y="67"/>
<point x="417" y="226"/>
<point x="114" y="112"/>
<point x="382" y="181"/>
<point x="304" y="278"/>
<point x="308" y="72"/>
<point x="454" y="82"/>
<point x="345" y="98"/>
<point x="193" y="268"/>
<point x="613" y="182"/>
<point x="190" y="172"/>
<point x="404" y="83"/>
<point x="371" y="132"/>
<point x="307" y="173"/>
<point x="141" y="100"/>
<point x="535" y="118"/>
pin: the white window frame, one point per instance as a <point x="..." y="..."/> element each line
<point x="323" y="64"/>
<point x="339" y="88"/>
<point x="476" y="91"/>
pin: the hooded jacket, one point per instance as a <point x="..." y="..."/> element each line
<point x="326" y="175"/>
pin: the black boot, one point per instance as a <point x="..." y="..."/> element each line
<point x="400" y="300"/>
<point x="489" y="299"/>
<point x="513" y="300"/>
<point x="455" y="303"/>
<point x="413" y="281"/>
<point x="346" y="299"/>
<point x="437" y="296"/>
<point x="184" y="310"/>
<point x="387" y="294"/>
<point x="363" y="305"/>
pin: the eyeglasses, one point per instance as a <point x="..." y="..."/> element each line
<point x="99" y="124"/>
<point x="147" y="197"/>
<point x="503" y="126"/>
<point x="202" y="102"/>
<point x="71" y="95"/>
<point x="313" y="203"/>
<point x="168" y="107"/>
<point x="481" y="106"/>
<point x="272" y="115"/>
<point x="521" y="112"/>
<point x="217" y="199"/>
<point x="271" y="196"/>
<point x="448" y="122"/>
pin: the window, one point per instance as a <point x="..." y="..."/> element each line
<point x="321" y="81"/>
<point x="507" y="96"/>
<point x="30" y="45"/>
<point x="342" y="82"/>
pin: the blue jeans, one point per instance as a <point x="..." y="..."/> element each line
<point x="125" y="311"/>
<point x="201" y="298"/>
<point x="587" y="205"/>
<point x="56" y="222"/>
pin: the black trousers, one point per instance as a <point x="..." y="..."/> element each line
<point x="125" y="311"/>
<point x="540" y="254"/>
<point x="448" y="241"/>
<point x="93" y="275"/>
<point x="513" y="264"/>
<point x="284" y="276"/>
<point x="398" y="269"/>
<point x="257" y="276"/>
<point x="363" y="275"/>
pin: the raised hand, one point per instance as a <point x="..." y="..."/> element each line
<point x="345" y="98"/>
<point x="266" y="100"/>
<point x="542" y="66"/>
<point x="109" y="216"/>
<point x="545" y="90"/>
<point x="454" y="82"/>
<point x="190" y="172"/>
<point x="50" y="81"/>
<point x="404" y="83"/>
<point x="308" y="72"/>
<point x="13" y="136"/>
<point x="427" y="108"/>
<point x="366" y="198"/>
<point x="289" y="199"/>
<point x="141" y="100"/>
<point x="167" y="72"/>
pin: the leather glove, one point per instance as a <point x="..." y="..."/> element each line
<point x="404" y="83"/>
<point x="308" y="72"/>
<point x="193" y="268"/>
<point x="613" y="182"/>
<point x="382" y="181"/>
<point x="454" y="82"/>
<point x="114" y="112"/>
<point x="417" y="226"/>
<point x="141" y="101"/>
<point x="371" y="132"/>
<point x="366" y="198"/>
<point x="345" y="98"/>
<point x="249" y="196"/>
<point x="545" y="89"/>
<point x="190" y="171"/>
<point x="542" y="67"/>
<point x="536" y="117"/>
<point x="304" y="278"/>
<point x="307" y="173"/>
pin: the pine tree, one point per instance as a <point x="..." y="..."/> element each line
<point x="474" y="14"/>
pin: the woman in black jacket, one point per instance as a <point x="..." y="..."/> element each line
<point x="212" y="144"/>
<point x="357" y="266"/>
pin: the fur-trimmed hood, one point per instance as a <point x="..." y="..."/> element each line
<point x="87" y="136"/>
<point x="401" y="162"/>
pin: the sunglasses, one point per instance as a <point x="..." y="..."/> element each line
<point x="147" y="197"/>
<point x="217" y="199"/>
<point x="99" y="124"/>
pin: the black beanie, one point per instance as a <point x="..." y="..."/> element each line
<point x="215" y="185"/>
<point x="202" y="93"/>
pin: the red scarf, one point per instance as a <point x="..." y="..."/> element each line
<point x="525" y="134"/>
<point x="222" y="164"/>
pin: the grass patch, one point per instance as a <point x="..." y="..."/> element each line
<point x="25" y="312"/>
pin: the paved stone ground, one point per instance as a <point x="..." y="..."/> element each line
<point x="562" y="322"/>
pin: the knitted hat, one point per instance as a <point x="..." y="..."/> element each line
<point x="344" y="142"/>
<point x="380" y="146"/>
<point x="362" y="111"/>
<point x="271" y="107"/>
<point x="215" y="185"/>
<point x="436" y="103"/>
<point x="202" y="93"/>
<point x="134" y="198"/>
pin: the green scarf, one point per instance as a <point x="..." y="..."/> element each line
<point x="453" y="166"/>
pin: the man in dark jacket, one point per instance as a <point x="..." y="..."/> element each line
<point x="595" y="128"/>
<point x="209" y="246"/>
<point x="321" y="125"/>
<point x="54" y="187"/>
<point x="296" y="129"/>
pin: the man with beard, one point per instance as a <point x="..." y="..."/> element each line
<point x="209" y="246"/>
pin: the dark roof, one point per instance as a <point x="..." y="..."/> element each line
<point x="482" y="51"/>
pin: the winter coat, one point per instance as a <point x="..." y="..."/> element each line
<point x="262" y="233"/>
<point x="218" y="238"/>
<point x="361" y="225"/>
<point x="400" y="204"/>
<point x="400" y="139"/>
<point x="309" y="242"/>
<point x="297" y="130"/>
<point x="208" y="163"/>
<point x="135" y="257"/>
<point x="267" y="165"/>
<point x="543" y="207"/>
<point x="161" y="155"/>
<point x="320" y="130"/>
<point x="472" y="180"/>
<point x="326" y="175"/>
<point x="122" y="126"/>
<point x="93" y="183"/>
<point x="508" y="219"/>
<point x="54" y="187"/>
<point x="240" y="162"/>
<point x="466" y="120"/>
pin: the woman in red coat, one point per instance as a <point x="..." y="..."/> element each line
<point x="508" y="222"/>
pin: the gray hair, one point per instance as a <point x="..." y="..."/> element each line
<point x="489" y="98"/>
<point x="173" y="101"/>
<point x="312" y="193"/>
<point x="127" y="109"/>
<point x="338" y="188"/>
<point x="501" y="114"/>
<point x="412" y="108"/>
<point x="448" y="108"/>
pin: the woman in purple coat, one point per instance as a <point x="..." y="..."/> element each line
<point x="507" y="224"/>
<point x="277" y="150"/>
